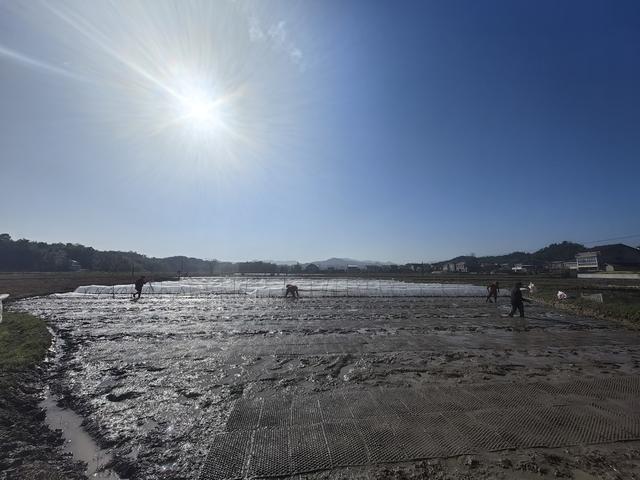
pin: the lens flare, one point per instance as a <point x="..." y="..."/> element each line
<point x="214" y="86"/>
<point x="196" y="109"/>
<point x="200" y="109"/>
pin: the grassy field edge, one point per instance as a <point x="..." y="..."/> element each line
<point x="29" y="449"/>
<point x="24" y="341"/>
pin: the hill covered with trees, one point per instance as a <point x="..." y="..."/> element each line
<point x="28" y="256"/>
<point x="553" y="252"/>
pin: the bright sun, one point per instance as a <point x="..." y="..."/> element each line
<point x="199" y="110"/>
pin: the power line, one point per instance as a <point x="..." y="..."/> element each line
<point x="612" y="239"/>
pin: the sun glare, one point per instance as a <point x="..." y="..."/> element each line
<point x="199" y="110"/>
<point x="214" y="81"/>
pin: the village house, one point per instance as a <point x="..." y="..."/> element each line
<point x="588" y="261"/>
<point x="612" y="258"/>
<point x="461" y="267"/>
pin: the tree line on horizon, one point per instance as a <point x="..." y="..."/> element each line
<point x="30" y="256"/>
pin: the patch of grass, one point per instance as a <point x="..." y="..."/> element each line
<point x="24" y="340"/>
<point x="620" y="304"/>
<point x="618" y="308"/>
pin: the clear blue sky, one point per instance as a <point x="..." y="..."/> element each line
<point x="401" y="131"/>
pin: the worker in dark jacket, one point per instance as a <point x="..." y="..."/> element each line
<point x="517" y="299"/>
<point x="293" y="290"/>
<point x="138" y="285"/>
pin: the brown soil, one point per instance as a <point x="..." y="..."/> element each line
<point x="23" y="285"/>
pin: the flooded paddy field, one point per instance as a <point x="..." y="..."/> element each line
<point x="192" y="385"/>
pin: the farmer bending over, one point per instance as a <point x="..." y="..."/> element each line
<point x="492" y="291"/>
<point x="293" y="290"/>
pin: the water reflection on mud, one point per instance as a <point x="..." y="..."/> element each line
<point x="156" y="379"/>
<point x="77" y="441"/>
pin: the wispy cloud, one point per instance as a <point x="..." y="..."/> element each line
<point x="278" y="36"/>
<point x="255" y="29"/>
<point x="278" y="33"/>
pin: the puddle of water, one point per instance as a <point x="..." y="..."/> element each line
<point x="76" y="440"/>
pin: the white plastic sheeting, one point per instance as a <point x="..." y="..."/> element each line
<point x="275" y="287"/>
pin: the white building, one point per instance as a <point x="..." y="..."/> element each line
<point x="564" y="265"/>
<point x="461" y="267"/>
<point x="587" y="261"/>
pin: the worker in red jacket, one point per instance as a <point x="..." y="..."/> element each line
<point x="492" y="291"/>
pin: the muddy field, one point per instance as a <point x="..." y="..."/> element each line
<point x="161" y="381"/>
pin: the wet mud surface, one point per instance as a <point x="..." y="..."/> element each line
<point x="157" y="380"/>
<point x="78" y="444"/>
<point x="28" y="449"/>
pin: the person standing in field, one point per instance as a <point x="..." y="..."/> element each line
<point x="517" y="299"/>
<point x="293" y="290"/>
<point x="492" y="291"/>
<point x="138" y="285"/>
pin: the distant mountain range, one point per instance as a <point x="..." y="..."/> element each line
<point x="333" y="262"/>
<point x="554" y="252"/>
<point x="282" y="262"/>
<point x="342" y="263"/>
<point x="566" y="251"/>
<point x="24" y="256"/>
